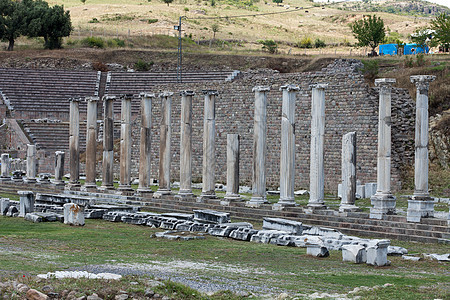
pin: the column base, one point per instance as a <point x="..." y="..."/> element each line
<point x="316" y="205"/>
<point x="256" y="202"/>
<point x="30" y="180"/>
<point x="145" y="192"/>
<point x="203" y="197"/>
<point x="230" y="199"/>
<point x="125" y="190"/>
<point x="58" y="183"/>
<point x="162" y="194"/>
<point x="73" y="186"/>
<point x="348" y="208"/>
<point x="383" y="204"/>
<point x="91" y="188"/>
<point x="106" y="188"/>
<point x="185" y="195"/>
<point x="420" y="207"/>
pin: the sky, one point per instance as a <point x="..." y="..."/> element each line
<point x="441" y="2"/>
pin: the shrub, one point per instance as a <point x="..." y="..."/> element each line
<point x="93" y="42"/>
<point x="408" y="62"/>
<point x="370" y="69"/>
<point x="94" y="20"/>
<point x="318" y="43"/>
<point x="186" y="9"/>
<point x="141" y="65"/>
<point x="420" y="60"/>
<point x="269" y="45"/>
<point x="99" y="66"/>
<point x="115" y="42"/>
<point x="150" y="21"/>
<point x="305" y="42"/>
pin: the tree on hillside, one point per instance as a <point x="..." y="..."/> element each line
<point x="442" y="27"/>
<point x="424" y="37"/>
<point x="12" y="21"/>
<point x="167" y="2"/>
<point x="368" y="31"/>
<point x="215" y="29"/>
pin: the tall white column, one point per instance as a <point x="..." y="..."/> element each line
<point x="31" y="163"/>
<point x="186" y="146"/>
<point x="59" y="168"/>
<point x="74" y="143"/>
<point x="145" y="145"/>
<point x="287" y="158"/>
<point x="383" y="201"/>
<point x="125" y="146"/>
<point x="5" y="167"/>
<point x="421" y="205"/>
<point x="91" y="144"/>
<point x="209" y="147"/>
<point x="317" y="175"/>
<point x="164" y="146"/>
<point x="259" y="147"/>
<point x="108" y="143"/>
<point x="232" y="193"/>
<point x="348" y="173"/>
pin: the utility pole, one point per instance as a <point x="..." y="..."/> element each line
<point x="180" y="52"/>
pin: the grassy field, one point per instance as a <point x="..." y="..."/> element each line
<point x="28" y="249"/>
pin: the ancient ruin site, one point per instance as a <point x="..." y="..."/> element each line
<point x="223" y="175"/>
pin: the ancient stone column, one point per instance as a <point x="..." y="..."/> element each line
<point x="91" y="144"/>
<point x="421" y="205"/>
<point x="383" y="201"/>
<point x="108" y="143"/>
<point x="59" y="168"/>
<point x="348" y="173"/>
<point x="26" y="202"/>
<point x="164" y="146"/>
<point x="287" y="158"/>
<point x="74" y="143"/>
<point x="31" y="163"/>
<point x="259" y="147"/>
<point x="232" y="193"/>
<point x="317" y="175"/>
<point x="5" y="167"/>
<point x="145" y="145"/>
<point x="186" y="146"/>
<point x="209" y="147"/>
<point x="125" y="146"/>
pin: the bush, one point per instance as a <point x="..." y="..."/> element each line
<point x="115" y="42"/>
<point x="318" y="43"/>
<point x="370" y="69"/>
<point x="408" y="62"/>
<point x="150" y="21"/>
<point x="420" y="60"/>
<point x="305" y="42"/>
<point x="93" y="42"/>
<point x="141" y="65"/>
<point x="99" y="66"/>
<point x="269" y="45"/>
<point x="94" y="20"/>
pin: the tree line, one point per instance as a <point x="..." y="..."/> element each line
<point x="33" y="18"/>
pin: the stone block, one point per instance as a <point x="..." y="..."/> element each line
<point x="317" y="250"/>
<point x="73" y="214"/>
<point x="224" y="230"/>
<point x="184" y="226"/>
<point x="32" y="217"/>
<point x="396" y="250"/>
<point x="4" y="206"/>
<point x="418" y="209"/>
<point x="94" y="213"/>
<point x="180" y="216"/>
<point x="283" y="240"/>
<point x="243" y="234"/>
<point x="264" y="236"/>
<point x="211" y="216"/>
<point x="26" y="202"/>
<point x="339" y="191"/>
<point x="354" y="253"/>
<point x="12" y="211"/>
<point x="370" y="189"/>
<point x="293" y="227"/>
<point x="322" y="231"/>
<point x="377" y="253"/>
<point x="360" y="191"/>
<point x="169" y="223"/>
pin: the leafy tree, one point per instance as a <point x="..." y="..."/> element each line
<point x="167" y="2"/>
<point x="215" y="28"/>
<point x="442" y="27"/>
<point x="423" y="37"/>
<point x="269" y="45"/>
<point x="12" y="21"/>
<point x="368" y="31"/>
<point x="277" y="1"/>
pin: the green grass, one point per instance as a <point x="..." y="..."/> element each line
<point x="98" y="242"/>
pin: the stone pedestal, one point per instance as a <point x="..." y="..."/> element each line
<point x="348" y="191"/>
<point x="232" y="193"/>
<point x="59" y="168"/>
<point x="383" y="202"/>
<point x="287" y="159"/>
<point x="108" y="143"/>
<point x="421" y="205"/>
<point x="125" y="146"/>
<point x="74" y="144"/>
<point x="145" y="145"/>
<point x="185" y="191"/>
<point x="209" y="147"/>
<point x="5" y="169"/>
<point x="164" y="146"/>
<point x="26" y="202"/>
<point x="259" y="148"/>
<point x="317" y="175"/>
<point x="91" y="144"/>
<point x="31" y="163"/>
<point x="73" y="214"/>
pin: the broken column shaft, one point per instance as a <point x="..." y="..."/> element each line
<point x="108" y="143"/>
<point x="232" y="193"/>
<point x="348" y="173"/>
<point x="125" y="146"/>
<point x="74" y="143"/>
<point x="91" y="144"/>
<point x="145" y="145"/>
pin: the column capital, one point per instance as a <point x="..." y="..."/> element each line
<point x="210" y="92"/>
<point x="91" y="99"/>
<point x="385" y="82"/>
<point x="422" y="81"/>
<point x="25" y="193"/>
<point x="261" y="88"/>
<point x="318" y="85"/>
<point x="290" y="87"/>
<point x="165" y="94"/>
<point x="126" y="96"/>
<point x="75" y="99"/>
<point x="59" y="152"/>
<point x="187" y="93"/>
<point x="147" y="95"/>
<point x="109" y="98"/>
